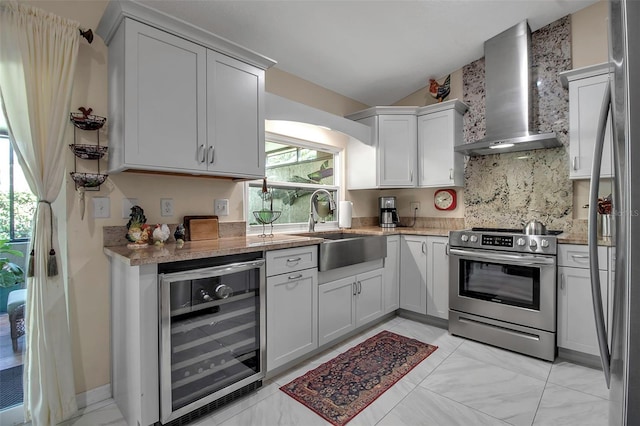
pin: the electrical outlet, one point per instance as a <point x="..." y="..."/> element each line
<point x="101" y="207"/>
<point x="221" y="207"/>
<point x="166" y="207"/>
<point x="127" y="203"/>
<point x="415" y="205"/>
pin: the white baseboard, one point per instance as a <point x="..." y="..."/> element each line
<point x="93" y="396"/>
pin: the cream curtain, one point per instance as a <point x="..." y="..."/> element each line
<point x="38" y="53"/>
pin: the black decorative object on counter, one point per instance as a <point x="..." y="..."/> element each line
<point x="180" y="233"/>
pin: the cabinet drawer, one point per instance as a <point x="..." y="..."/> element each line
<point x="293" y="259"/>
<point x="577" y="256"/>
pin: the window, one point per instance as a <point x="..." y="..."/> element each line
<point x="17" y="203"/>
<point x="294" y="170"/>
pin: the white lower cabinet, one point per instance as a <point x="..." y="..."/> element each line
<point x="413" y="273"/>
<point x="424" y="275"/>
<point x="348" y="303"/>
<point x="576" y="321"/>
<point x="392" y="275"/>
<point x="437" y="277"/>
<point x="292" y="310"/>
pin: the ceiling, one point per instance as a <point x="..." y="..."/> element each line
<point x="376" y="52"/>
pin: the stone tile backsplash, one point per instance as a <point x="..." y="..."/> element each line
<point x="506" y="189"/>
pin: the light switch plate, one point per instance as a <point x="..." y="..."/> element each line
<point x="166" y="207"/>
<point x="127" y="203"/>
<point x="101" y="207"/>
<point x="221" y="207"/>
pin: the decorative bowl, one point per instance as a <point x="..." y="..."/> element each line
<point x="87" y="122"/>
<point x="88" y="180"/>
<point x="88" y="152"/>
<point x="266" y="217"/>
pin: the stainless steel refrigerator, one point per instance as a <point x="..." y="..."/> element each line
<point x="621" y="360"/>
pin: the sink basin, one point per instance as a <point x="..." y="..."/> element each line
<point x="343" y="249"/>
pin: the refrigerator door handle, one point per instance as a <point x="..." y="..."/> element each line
<point x="592" y="237"/>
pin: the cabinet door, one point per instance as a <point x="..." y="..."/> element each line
<point x="585" y="100"/>
<point x="392" y="275"/>
<point x="235" y="117"/>
<point x="576" y="323"/>
<point x="413" y="274"/>
<point x="397" y="139"/>
<point x="165" y="100"/>
<point x="336" y="312"/>
<point x="437" y="277"/>
<point x="369" y="300"/>
<point x="292" y="312"/>
<point x="438" y="164"/>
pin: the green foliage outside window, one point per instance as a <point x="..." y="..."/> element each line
<point x="24" y="206"/>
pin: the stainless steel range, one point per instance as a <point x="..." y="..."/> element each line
<point x="502" y="289"/>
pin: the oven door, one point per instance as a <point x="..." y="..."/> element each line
<point x="515" y="288"/>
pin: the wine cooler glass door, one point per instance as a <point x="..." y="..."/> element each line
<point x="210" y="334"/>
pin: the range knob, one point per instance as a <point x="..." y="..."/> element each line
<point x="465" y="238"/>
<point x="521" y="241"/>
<point x="544" y="243"/>
<point x="474" y="239"/>
<point x="533" y="244"/>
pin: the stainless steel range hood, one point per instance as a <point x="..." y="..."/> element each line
<point x="509" y="100"/>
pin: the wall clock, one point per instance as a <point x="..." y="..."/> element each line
<point x="445" y="199"/>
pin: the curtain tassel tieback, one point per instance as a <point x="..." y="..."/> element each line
<point x="30" y="266"/>
<point x="52" y="261"/>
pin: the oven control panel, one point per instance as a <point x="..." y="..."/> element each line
<point x="497" y="240"/>
<point x="521" y="243"/>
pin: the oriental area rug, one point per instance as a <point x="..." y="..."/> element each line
<point x="341" y="388"/>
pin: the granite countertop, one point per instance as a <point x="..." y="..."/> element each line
<point x="581" y="238"/>
<point x="209" y="248"/>
<point x="251" y="243"/>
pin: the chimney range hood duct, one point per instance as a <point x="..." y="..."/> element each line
<point x="508" y="100"/>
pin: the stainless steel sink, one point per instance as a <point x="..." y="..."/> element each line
<point x="343" y="249"/>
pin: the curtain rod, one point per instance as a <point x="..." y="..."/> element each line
<point x="87" y="34"/>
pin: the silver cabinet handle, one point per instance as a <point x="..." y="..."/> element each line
<point x="446" y="249"/>
<point x="561" y="281"/>
<point x="424" y="247"/>
<point x="450" y="174"/>
<point x="201" y="150"/>
<point x="592" y="236"/>
<point x="294" y="259"/>
<point x="411" y="175"/>
<point x="359" y="287"/>
<point x="580" y="256"/>
<point x="211" y="154"/>
<point x="295" y="277"/>
<point x="355" y="288"/>
<point x="574" y="163"/>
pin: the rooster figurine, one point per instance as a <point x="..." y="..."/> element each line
<point x="440" y="91"/>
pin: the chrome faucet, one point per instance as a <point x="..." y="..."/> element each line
<point x="332" y="207"/>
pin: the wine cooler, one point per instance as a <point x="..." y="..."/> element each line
<point x="211" y="333"/>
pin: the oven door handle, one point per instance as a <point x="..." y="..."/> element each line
<point x="519" y="259"/>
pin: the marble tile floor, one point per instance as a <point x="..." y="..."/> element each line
<point x="461" y="383"/>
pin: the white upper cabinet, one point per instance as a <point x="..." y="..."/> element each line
<point x="390" y="162"/>
<point x="439" y="131"/>
<point x="586" y="90"/>
<point x="235" y="117"/>
<point x="157" y="107"/>
<point x="181" y="100"/>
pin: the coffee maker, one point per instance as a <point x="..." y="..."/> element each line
<point x="388" y="212"/>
